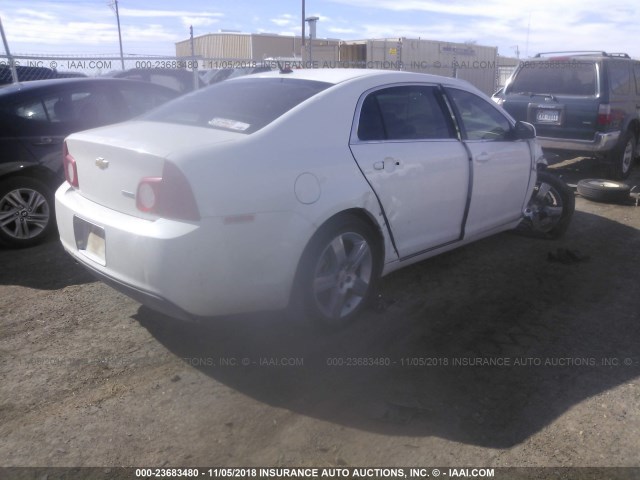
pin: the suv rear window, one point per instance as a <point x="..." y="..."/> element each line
<point x="244" y="105"/>
<point x="560" y="78"/>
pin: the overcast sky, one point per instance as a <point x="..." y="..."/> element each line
<point x="89" y="26"/>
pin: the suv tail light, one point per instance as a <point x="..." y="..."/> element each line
<point x="604" y="114"/>
<point x="169" y="196"/>
<point x="70" y="167"/>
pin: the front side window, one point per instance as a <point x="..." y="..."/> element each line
<point x="480" y="120"/>
<point x="404" y="113"/>
<point x="244" y="105"/>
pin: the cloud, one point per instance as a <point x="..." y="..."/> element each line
<point x="198" y="21"/>
<point x="132" y="12"/>
<point x="284" y="20"/>
<point x="532" y="26"/>
<point x="342" y="31"/>
<point x="76" y="26"/>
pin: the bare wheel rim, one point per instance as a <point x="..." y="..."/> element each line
<point x="627" y="156"/>
<point x="24" y="213"/>
<point x="343" y="275"/>
<point x="546" y="207"/>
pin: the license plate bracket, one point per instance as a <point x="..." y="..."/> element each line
<point x="90" y="240"/>
<point x="550" y="116"/>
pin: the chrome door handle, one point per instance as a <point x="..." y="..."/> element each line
<point x="45" y="141"/>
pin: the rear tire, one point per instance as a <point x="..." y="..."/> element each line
<point x="623" y="156"/>
<point x="339" y="272"/>
<point x="26" y="211"/>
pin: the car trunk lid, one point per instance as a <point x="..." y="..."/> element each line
<point x="112" y="161"/>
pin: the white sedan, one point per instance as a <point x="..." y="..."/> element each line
<point x="310" y="185"/>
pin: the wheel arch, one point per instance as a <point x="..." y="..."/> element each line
<point x="634" y="128"/>
<point x="356" y="212"/>
<point x="16" y="169"/>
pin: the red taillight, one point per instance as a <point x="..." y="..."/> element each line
<point x="604" y="114"/>
<point x="169" y="196"/>
<point x="147" y="196"/>
<point x="70" y="167"/>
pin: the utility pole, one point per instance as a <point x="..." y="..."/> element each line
<point x="193" y="54"/>
<point x="304" y="21"/>
<point x="115" y="2"/>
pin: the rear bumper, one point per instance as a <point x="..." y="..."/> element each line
<point x="601" y="143"/>
<point x="186" y="270"/>
<point x="152" y="300"/>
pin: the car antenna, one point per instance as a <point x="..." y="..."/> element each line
<point x="282" y="69"/>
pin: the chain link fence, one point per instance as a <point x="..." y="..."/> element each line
<point x="188" y="73"/>
<point x="180" y="73"/>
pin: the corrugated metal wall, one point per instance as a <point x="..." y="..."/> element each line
<point x="475" y="63"/>
<point x="219" y="45"/>
<point x="265" y="46"/>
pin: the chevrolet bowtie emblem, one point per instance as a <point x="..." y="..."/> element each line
<point x="101" y="163"/>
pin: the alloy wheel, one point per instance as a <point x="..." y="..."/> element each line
<point x="24" y="213"/>
<point x="343" y="275"/>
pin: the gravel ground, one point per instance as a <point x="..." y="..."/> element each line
<point x="490" y="355"/>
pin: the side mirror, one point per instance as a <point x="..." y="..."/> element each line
<point x="524" y="131"/>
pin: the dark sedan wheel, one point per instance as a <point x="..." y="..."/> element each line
<point x="26" y="211"/>
<point x="340" y="271"/>
<point x="550" y="208"/>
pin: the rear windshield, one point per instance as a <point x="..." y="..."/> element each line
<point x="555" y="77"/>
<point x="244" y="105"/>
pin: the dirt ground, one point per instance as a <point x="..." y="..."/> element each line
<point x="489" y="356"/>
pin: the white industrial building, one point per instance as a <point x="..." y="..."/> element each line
<point x="477" y="64"/>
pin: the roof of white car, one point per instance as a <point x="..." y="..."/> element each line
<point x="338" y="75"/>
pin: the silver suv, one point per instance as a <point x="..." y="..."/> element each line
<point x="582" y="104"/>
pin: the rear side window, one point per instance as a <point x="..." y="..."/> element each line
<point x="619" y="77"/>
<point x="404" y="113"/>
<point x="244" y="105"/>
<point x="88" y="108"/>
<point x="555" y="77"/>
<point x="138" y="100"/>
<point x="32" y="110"/>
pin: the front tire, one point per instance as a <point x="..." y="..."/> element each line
<point x="340" y="271"/>
<point x="26" y="211"/>
<point x="550" y="208"/>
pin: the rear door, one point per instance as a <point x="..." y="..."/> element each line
<point x="501" y="165"/>
<point x="406" y="146"/>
